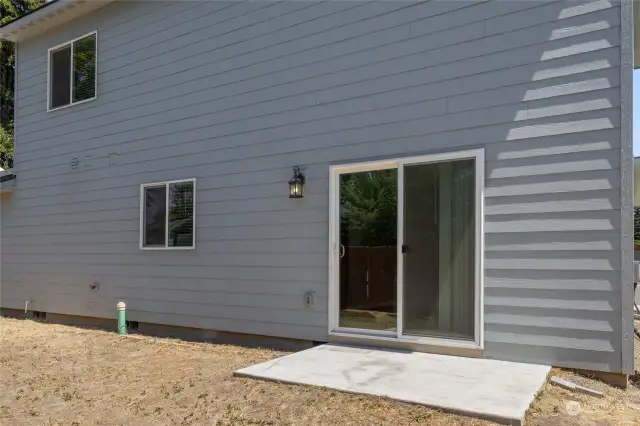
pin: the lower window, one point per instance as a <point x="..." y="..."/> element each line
<point x="167" y="215"/>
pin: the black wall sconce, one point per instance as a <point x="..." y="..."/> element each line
<point x="296" y="184"/>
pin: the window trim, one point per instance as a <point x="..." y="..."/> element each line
<point x="58" y="47"/>
<point x="142" y="204"/>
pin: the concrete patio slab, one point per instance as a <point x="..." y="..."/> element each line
<point x="495" y="390"/>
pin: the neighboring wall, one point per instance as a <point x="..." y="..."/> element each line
<point x="236" y="93"/>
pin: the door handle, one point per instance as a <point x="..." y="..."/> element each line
<point x="341" y="253"/>
<point x="405" y="248"/>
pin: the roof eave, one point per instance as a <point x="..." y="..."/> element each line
<point x="52" y="15"/>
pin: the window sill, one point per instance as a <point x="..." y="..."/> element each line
<point x="73" y="104"/>
<point x="168" y="248"/>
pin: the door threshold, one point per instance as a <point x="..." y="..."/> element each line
<point x="421" y="341"/>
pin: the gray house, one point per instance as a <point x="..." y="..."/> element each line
<point x="442" y="176"/>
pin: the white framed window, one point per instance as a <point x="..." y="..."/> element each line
<point x="167" y="215"/>
<point x="72" y="74"/>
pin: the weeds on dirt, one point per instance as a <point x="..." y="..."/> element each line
<point x="56" y="375"/>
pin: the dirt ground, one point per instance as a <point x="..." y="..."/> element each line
<point x="59" y="375"/>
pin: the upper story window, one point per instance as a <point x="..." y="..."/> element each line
<point x="72" y="72"/>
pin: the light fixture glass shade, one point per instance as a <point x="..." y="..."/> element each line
<point x="296" y="184"/>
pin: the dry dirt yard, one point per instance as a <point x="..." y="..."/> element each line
<point x="59" y="375"/>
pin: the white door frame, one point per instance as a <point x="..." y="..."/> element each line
<point x="334" y="251"/>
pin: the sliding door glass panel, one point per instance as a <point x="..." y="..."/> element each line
<point x="368" y="249"/>
<point x="439" y="250"/>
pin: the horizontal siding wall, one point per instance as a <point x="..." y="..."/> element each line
<point x="237" y="93"/>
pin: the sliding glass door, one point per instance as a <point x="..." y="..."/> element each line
<point x="406" y="239"/>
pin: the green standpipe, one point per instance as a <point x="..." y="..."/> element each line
<point x="122" y="318"/>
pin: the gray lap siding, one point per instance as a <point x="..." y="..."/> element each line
<point x="235" y="94"/>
